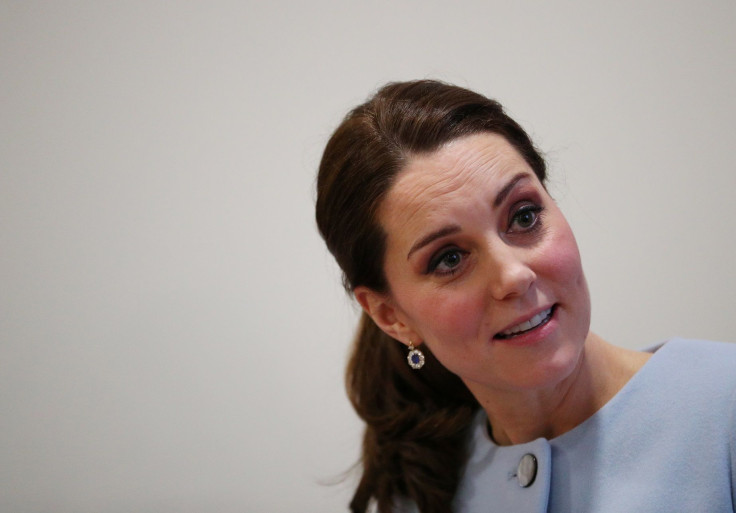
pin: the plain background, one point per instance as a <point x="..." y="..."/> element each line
<point x="172" y="330"/>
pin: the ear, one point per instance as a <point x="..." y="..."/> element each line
<point x="387" y="316"/>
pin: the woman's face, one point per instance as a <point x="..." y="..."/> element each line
<point x="482" y="267"/>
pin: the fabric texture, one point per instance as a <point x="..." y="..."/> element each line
<point x="666" y="442"/>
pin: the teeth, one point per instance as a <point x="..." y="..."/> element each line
<point x="531" y="323"/>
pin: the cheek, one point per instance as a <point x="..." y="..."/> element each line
<point x="447" y="318"/>
<point x="562" y="265"/>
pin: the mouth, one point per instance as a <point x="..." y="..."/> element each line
<point x="538" y="320"/>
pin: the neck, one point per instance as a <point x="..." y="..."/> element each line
<point x="522" y="416"/>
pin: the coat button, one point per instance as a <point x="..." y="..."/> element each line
<point x="526" y="472"/>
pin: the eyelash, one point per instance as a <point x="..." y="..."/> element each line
<point x="528" y="208"/>
<point x="437" y="260"/>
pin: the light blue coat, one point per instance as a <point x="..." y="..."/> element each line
<point x="665" y="443"/>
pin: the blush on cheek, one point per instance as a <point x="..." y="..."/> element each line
<point x="449" y="318"/>
<point x="563" y="266"/>
<point x="562" y="258"/>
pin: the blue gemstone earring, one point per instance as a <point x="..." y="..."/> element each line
<point x="415" y="357"/>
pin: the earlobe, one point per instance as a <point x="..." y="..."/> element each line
<point x="381" y="308"/>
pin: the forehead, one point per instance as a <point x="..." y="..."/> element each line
<point x="437" y="184"/>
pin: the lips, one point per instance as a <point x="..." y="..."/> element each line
<point x="538" y="320"/>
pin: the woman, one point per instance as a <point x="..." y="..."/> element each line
<point x="474" y="368"/>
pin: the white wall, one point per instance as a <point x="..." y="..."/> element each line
<point x="172" y="331"/>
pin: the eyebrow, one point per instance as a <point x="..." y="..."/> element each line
<point x="454" y="228"/>
<point x="503" y="193"/>
<point x="429" y="238"/>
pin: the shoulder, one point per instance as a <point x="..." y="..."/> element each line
<point x="699" y="372"/>
<point x="700" y="357"/>
<point x="692" y="345"/>
<point x="696" y="384"/>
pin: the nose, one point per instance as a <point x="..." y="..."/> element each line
<point x="510" y="274"/>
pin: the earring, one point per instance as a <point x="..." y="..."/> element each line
<point x="415" y="357"/>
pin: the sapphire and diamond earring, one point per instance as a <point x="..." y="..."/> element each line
<point x="415" y="358"/>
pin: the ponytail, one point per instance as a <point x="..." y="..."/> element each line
<point x="416" y="424"/>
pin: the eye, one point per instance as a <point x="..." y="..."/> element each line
<point x="446" y="262"/>
<point x="525" y="218"/>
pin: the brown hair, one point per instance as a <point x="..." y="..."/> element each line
<point x="416" y="421"/>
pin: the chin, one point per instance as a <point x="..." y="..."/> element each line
<point x="551" y="371"/>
